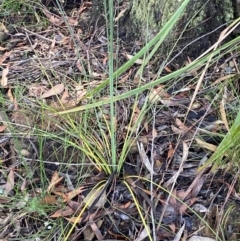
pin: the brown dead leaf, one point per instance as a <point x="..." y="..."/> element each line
<point x="135" y="115"/>
<point x="37" y="90"/>
<point x="181" y="194"/>
<point x="66" y="211"/>
<point x="55" y="90"/>
<point x="2" y="128"/>
<point x="67" y="197"/>
<point x="54" y="181"/>
<point x="57" y="21"/>
<point x="15" y="108"/>
<point x="55" y="176"/>
<point x="104" y="61"/>
<point x="130" y="181"/>
<point x="170" y="151"/>
<point x="121" y="14"/>
<point x="53" y="18"/>
<point x="145" y="124"/>
<point x="74" y="220"/>
<point x="206" y="145"/>
<point x="2" y="48"/>
<point x="222" y="109"/>
<point x="174" y="177"/>
<point x="53" y="44"/>
<point x="154" y="133"/>
<point x="3" y="28"/>
<point x="72" y="21"/>
<point x="138" y="61"/>
<point x="168" y="69"/>
<point x="184" y="207"/>
<point x="10" y="95"/>
<point x="60" y="194"/>
<point x="10" y="181"/>
<point x="81" y="92"/>
<point x="176" y="130"/>
<point x="133" y="145"/>
<point x="181" y="125"/>
<point x="79" y="65"/>
<point x="4" y="80"/>
<point x="125" y="206"/>
<point x="88" y="233"/>
<point x="4" y="57"/>
<point x="170" y="103"/>
<point x="126" y="77"/>
<point x="49" y="199"/>
<point x="158" y="94"/>
<point x="85" y="5"/>
<point x="24" y="185"/>
<point x="65" y="96"/>
<point x="172" y="226"/>
<point x="74" y="205"/>
<point x="4" y="199"/>
<point x="145" y="159"/>
<point x="173" y="201"/>
<point x="95" y="228"/>
<point x="143" y="234"/>
<point x="223" y="78"/>
<point x="60" y="188"/>
<point x="194" y="188"/>
<point x="74" y="193"/>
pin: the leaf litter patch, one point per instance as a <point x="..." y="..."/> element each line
<point x="192" y="193"/>
<point x="47" y="185"/>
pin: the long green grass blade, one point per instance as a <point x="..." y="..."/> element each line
<point x="111" y="81"/>
<point x="230" y="141"/>
<point x="159" y="38"/>
<point x="195" y="64"/>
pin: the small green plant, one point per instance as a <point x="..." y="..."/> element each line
<point x="12" y="5"/>
<point x="35" y="206"/>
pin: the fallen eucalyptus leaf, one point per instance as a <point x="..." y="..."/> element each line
<point x="55" y="90"/>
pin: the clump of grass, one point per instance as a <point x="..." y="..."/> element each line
<point x="12" y="5"/>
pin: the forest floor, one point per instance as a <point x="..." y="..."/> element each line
<point x="47" y="173"/>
